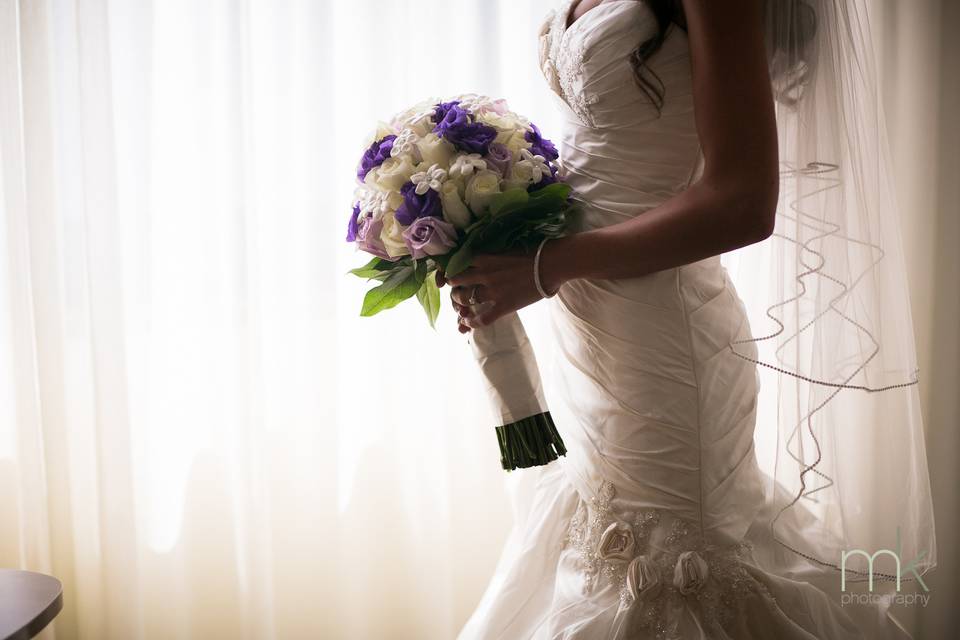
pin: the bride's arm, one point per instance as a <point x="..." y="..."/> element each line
<point x="732" y="205"/>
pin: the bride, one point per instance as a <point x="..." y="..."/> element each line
<point x="656" y="524"/>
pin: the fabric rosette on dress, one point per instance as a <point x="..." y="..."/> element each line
<point x="438" y="183"/>
<point x="672" y="581"/>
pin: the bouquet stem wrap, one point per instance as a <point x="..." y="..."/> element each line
<point x="526" y="433"/>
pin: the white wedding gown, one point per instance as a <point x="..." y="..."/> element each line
<point x="659" y="415"/>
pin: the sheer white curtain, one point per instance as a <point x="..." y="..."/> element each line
<point x="198" y="434"/>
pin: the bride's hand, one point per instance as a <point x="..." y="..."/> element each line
<point x="498" y="285"/>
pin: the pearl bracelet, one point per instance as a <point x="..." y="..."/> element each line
<point x="536" y="272"/>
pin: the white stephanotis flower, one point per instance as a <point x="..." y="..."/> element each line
<point x="406" y="143"/>
<point x="538" y="165"/>
<point x="476" y="103"/>
<point x="420" y="121"/>
<point x="432" y="178"/>
<point x="529" y="169"/>
<point x="376" y="201"/>
<point x="466" y="163"/>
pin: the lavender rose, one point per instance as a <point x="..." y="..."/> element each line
<point x="417" y="206"/>
<point x="353" y="223"/>
<point x="539" y="145"/>
<point x="617" y="543"/>
<point x="429" y="236"/>
<point x="643" y="579"/>
<point x="691" y="572"/>
<point x="499" y="157"/>
<point x="376" y="153"/>
<point x="368" y="237"/>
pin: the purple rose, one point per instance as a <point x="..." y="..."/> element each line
<point x="474" y="137"/>
<point x="417" y="206"/>
<point x="454" y="117"/>
<point x="429" y="236"/>
<point x="440" y="111"/>
<point x="353" y="224"/>
<point x="374" y="156"/>
<point x="498" y="157"/>
<point x="368" y="237"/>
<point x="540" y="146"/>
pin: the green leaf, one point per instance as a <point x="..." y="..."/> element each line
<point x="420" y="270"/>
<point x="555" y="190"/>
<point x="398" y="287"/>
<point x="508" y="200"/>
<point x="461" y="259"/>
<point x="373" y="268"/>
<point x="429" y="296"/>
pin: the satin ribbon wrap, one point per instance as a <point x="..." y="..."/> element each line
<point x="525" y="431"/>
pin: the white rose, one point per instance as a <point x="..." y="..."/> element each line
<point x="503" y="122"/>
<point x="454" y="210"/>
<point x="617" y="543"/>
<point x="691" y="572"/>
<point x="521" y="175"/>
<point x="394" y="172"/>
<point x="381" y="131"/>
<point x="514" y="139"/>
<point x="435" y="150"/>
<point x="376" y="201"/>
<point x="461" y="183"/>
<point x="416" y="118"/>
<point x="392" y="236"/>
<point x="480" y="190"/>
<point x="643" y="579"/>
<point x="476" y="104"/>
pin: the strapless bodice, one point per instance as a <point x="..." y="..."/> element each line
<point x="618" y="152"/>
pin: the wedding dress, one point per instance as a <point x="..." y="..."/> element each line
<point x="652" y="525"/>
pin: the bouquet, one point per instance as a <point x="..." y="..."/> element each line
<point x="438" y="183"/>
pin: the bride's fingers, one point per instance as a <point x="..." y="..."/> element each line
<point x="462" y="295"/>
<point x="441" y="280"/>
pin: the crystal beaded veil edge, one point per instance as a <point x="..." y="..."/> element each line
<point x="828" y="303"/>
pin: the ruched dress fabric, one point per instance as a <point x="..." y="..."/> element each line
<point x="651" y="527"/>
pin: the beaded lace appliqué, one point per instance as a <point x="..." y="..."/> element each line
<point x="562" y="64"/>
<point x="613" y="548"/>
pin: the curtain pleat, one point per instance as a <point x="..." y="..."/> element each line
<point x="200" y="436"/>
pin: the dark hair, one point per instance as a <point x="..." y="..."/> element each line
<point x="668" y="14"/>
<point x="791" y="29"/>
